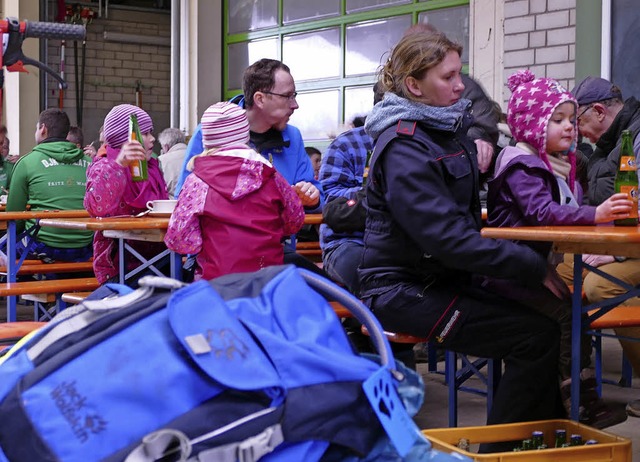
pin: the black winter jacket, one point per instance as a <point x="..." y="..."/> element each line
<point x="423" y="215"/>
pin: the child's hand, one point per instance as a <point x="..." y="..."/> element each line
<point x="616" y="207"/>
<point x="131" y="152"/>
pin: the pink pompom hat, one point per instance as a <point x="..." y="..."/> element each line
<point x="529" y="110"/>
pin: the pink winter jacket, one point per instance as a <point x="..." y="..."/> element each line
<point x="112" y="192"/>
<point x="234" y="211"/>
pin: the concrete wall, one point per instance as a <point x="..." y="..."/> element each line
<point x="540" y="35"/>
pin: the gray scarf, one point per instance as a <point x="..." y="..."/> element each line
<point x="394" y="108"/>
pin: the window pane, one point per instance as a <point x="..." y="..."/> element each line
<point x="241" y="55"/>
<point x="368" y="43"/>
<point x="296" y="10"/>
<point x="318" y="115"/>
<point x="358" y="102"/>
<point x="363" y="5"/>
<point x="313" y="55"/>
<point x="454" y="22"/>
<point x="246" y="15"/>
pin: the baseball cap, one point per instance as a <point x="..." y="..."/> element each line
<point x="594" y="89"/>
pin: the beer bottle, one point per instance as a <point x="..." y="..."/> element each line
<point x="365" y="175"/>
<point x="575" y="440"/>
<point x="138" y="168"/>
<point x="561" y="437"/>
<point x="627" y="178"/>
<point x="537" y="439"/>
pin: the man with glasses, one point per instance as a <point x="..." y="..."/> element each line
<point x="269" y="96"/>
<point x="602" y="115"/>
<point x="270" y="100"/>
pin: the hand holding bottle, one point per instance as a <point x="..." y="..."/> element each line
<point x="617" y="207"/>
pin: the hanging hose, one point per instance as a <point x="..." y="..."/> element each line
<point x="138" y="93"/>
<point x="60" y="89"/>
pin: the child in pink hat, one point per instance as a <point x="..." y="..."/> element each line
<point x="111" y="190"/>
<point x="535" y="184"/>
<point x="234" y="209"/>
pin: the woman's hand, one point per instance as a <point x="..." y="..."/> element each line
<point x="131" y="152"/>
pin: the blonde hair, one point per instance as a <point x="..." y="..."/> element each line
<point x="416" y="53"/>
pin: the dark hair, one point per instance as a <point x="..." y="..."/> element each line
<point x="260" y="76"/>
<point x="75" y="136"/>
<point x="3" y="130"/>
<point x="310" y="150"/>
<point x="56" y="121"/>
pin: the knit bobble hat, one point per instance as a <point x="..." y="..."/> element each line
<point x="224" y="125"/>
<point x="116" y="124"/>
<point x="529" y="110"/>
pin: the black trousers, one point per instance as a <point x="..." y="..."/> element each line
<point x="473" y="321"/>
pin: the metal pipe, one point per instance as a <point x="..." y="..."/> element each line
<point x="44" y="57"/>
<point x="185" y="67"/>
<point x="175" y="64"/>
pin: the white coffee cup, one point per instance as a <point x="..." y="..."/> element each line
<point x="162" y="206"/>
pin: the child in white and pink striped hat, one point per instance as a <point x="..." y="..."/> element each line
<point x="234" y="209"/>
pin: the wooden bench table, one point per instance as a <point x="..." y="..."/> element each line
<point x="602" y="240"/>
<point x="142" y="228"/>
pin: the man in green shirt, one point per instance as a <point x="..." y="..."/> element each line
<point x="52" y="176"/>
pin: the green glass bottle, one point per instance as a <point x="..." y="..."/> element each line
<point x="627" y="178"/>
<point x="537" y="439"/>
<point x="139" y="167"/>
<point x="561" y="437"/>
<point x="365" y="175"/>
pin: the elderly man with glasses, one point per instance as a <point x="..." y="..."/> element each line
<point x="602" y="115"/>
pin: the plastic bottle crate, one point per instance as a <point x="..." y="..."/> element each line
<point x="609" y="448"/>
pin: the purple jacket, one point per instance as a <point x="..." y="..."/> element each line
<point x="524" y="192"/>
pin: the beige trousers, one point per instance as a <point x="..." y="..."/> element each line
<point x="597" y="288"/>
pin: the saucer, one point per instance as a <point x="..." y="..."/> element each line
<point x="159" y="214"/>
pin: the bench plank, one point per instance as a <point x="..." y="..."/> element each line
<point x="620" y="316"/>
<point x="60" y="267"/>
<point x="53" y="286"/>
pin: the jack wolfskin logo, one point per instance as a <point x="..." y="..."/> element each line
<point x="72" y="405"/>
<point x="224" y="342"/>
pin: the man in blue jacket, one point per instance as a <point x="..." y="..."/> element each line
<point x="270" y="100"/>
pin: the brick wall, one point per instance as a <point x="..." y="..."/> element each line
<point x="113" y="69"/>
<point x="540" y="35"/>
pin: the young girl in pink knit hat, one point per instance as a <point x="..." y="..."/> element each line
<point x="111" y="190"/>
<point x="535" y="184"/>
<point x="234" y="209"/>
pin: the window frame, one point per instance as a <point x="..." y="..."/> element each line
<point x="414" y="8"/>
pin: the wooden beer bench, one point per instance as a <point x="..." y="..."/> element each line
<point x="48" y="290"/>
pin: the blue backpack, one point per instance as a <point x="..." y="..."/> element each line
<point x="246" y="367"/>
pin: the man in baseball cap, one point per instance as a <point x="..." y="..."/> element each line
<point x="602" y="115"/>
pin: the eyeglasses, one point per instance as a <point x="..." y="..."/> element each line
<point x="584" y="112"/>
<point x="290" y="96"/>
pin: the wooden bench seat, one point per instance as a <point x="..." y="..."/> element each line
<point x="48" y="286"/>
<point x="620" y="316"/>
<point x="309" y="249"/>
<point x="37" y="267"/>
